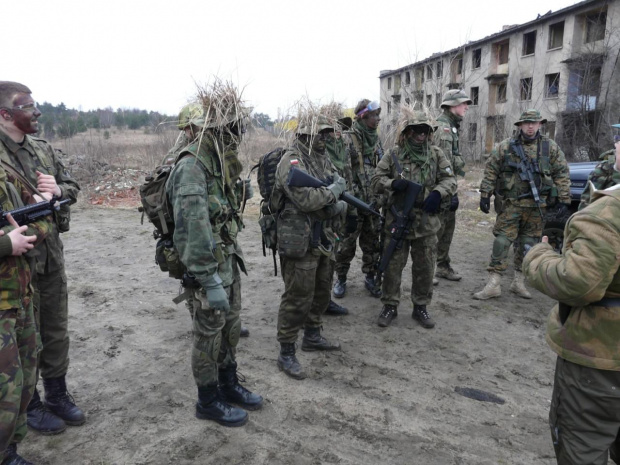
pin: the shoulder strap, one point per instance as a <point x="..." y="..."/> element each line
<point x="16" y="174"/>
<point x="396" y="162"/>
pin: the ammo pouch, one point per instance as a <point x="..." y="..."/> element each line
<point x="268" y="230"/>
<point x="63" y="218"/>
<point x="293" y="234"/>
<point x="167" y="257"/>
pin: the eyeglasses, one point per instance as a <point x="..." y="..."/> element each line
<point x="27" y="106"/>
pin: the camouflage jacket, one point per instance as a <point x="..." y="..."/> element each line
<point x="603" y="176"/>
<point x="15" y="289"/>
<point x="362" y="168"/>
<point x="34" y="155"/>
<point x="440" y="179"/>
<point x="447" y="138"/>
<point x="585" y="272"/>
<point x="316" y="203"/>
<point x="552" y="176"/>
<point x="205" y="211"/>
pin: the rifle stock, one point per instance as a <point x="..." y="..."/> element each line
<point x="299" y="178"/>
<point x="31" y="213"/>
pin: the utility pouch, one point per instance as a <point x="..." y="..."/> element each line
<point x="269" y="231"/>
<point x="63" y="218"/>
<point x="171" y="261"/>
<point x="293" y="230"/>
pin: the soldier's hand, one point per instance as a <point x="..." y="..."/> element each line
<point x="485" y="204"/>
<point x="545" y="239"/>
<point x="20" y="244"/>
<point x="432" y="202"/>
<point x="399" y="184"/>
<point x="47" y="183"/>
<point x="338" y="186"/>
<point x="218" y="298"/>
<point x="562" y="209"/>
<point x="246" y="188"/>
<point x="454" y="203"/>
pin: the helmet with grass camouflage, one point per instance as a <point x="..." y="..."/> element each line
<point x="416" y="118"/>
<point x="531" y="116"/>
<point x="312" y="125"/>
<point x="192" y="113"/>
<point x="455" y="97"/>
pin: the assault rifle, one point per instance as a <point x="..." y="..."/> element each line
<point x="401" y="226"/>
<point x="31" y="213"/>
<point x="299" y="178"/>
<point x="526" y="172"/>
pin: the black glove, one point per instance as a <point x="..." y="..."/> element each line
<point x="351" y="224"/>
<point x="454" y="203"/>
<point x="432" y="202"/>
<point x="562" y="209"/>
<point x="485" y="204"/>
<point x="399" y="184"/>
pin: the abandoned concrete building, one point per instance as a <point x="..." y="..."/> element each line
<point x="564" y="63"/>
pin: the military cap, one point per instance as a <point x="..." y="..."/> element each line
<point x="532" y="116"/>
<point x="313" y="125"/>
<point x="455" y="97"/>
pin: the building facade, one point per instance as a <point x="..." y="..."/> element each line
<point x="564" y="63"/>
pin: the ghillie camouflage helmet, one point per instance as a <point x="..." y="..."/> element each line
<point x="532" y="116"/>
<point x="192" y="113"/>
<point x="455" y="97"/>
<point x="414" y="118"/>
<point x="311" y="125"/>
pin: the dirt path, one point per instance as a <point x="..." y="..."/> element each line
<point x="388" y="398"/>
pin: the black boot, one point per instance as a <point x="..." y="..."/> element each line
<point x="288" y="363"/>
<point x="244" y="332"/>
<point x="41" y="420"/>
<point x="340" y="287"/>
<point x="61" y="403"/>
<point x="231" y="391"/>
<point x="314" y="341"/>
<point x="337" y="310"/>
<point x="210" y="407"/>
<point x="424" y="318"/>
<point x="372" y="285"/>
<point x="11" y="457"/>
<point x="388" y="313"/>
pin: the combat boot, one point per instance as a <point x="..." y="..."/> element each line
<point x="447" y="273"/>
<point x="11" y="457"/>
<point x="287" y="362"/>
<point x="232" y="392"/>
<point x="340" y="287"/>
<point x="492" y="289"/>
<point x="61" y="403"/>
<point x="41" y="420"/>
<point x="337" y="310"/>
<point x="314" y="341"/>
<point x="424" y="318"/>
<point x="518" y="286"/>
<point x="244" y="332"/>
<point x="372" y="285"/>
<point x="388" y="313"/>
<point x="210" y="407"/>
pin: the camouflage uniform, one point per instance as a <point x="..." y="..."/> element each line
<point x="583" y="330"/>
<point x="435" y="174"/>
<point x="18" y="334"/>
<point x="603" y="176"/>
<point x="50" y="281"/>
<point x="364" y="159"/>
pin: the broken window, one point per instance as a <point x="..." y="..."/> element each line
<point x="552" y="85"/>
<point x="389" y="83"/>
<point x="439" y="69"/>
<point x="595" y="26"/>
<point x="502" y="52"/>
<point x="556" y="35"/>
<point x="583" y="87"/>
<point x="526" y="89"/>
<point x="529" y="43"/>
<point x="473" y="132"/>
<point x="429" y="71"/>
<point x="407" y="78"/>
<point x="476" y="58"/>
<point x="473" y="94"/>
<point x="429" y="100"/>
<point x="501" y="92"/>
<point x="437" y="99"/>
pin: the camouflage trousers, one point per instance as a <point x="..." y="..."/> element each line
<point x="216" y="332"/>
<point x="585" y="414"/>
<point x="367" y="231"/>
<point x="307" y="291"/>
<point x="18" y="362"/>
<point x="51" y="309"/>
<point x="519" y="225"/>
<point x="423" y="253"/>
<point x="444" y="237"/>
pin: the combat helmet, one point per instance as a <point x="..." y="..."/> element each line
<point x="409" y="117"/>
<point x="192" y="113"/>
<point x="532" y="116"/>
<point x="311" y="125"/>
<point x="455" y="97"/>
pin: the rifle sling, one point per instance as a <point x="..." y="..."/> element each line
<point x="16" y="174"/>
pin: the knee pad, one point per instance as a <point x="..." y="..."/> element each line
<point x="209" y="346"/>
<point x="232" y="335"/>
<point x="501" y="246"/>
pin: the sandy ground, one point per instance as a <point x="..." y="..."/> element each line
<point x="388" y="398"/>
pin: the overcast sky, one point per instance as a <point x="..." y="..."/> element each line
<point x="149" y="54"/>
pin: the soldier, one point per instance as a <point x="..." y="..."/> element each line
<point x="582" y="330"/>
<point x="18" y="332"/>
<point x="521" y="219"/>
<point x="455" y="104"/>
<point x="38" y="163"/>
<point x="365" y="151"/>
<point x="202" y="192"/>
<point x="306" y="241"/>
<point x="413" y="159"/>
<point x="605" y="174"/>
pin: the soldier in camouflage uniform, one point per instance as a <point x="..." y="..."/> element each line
<point x="18" y="332"/>
<point x="583" y="330"/>
<point x="455" y="104"/>
<point x="307" y="220"/>
<point x="413" y="159"/>
<point x="36" y="160"/>
<point x="365" y="151"/>
<point x="203" y="196"/>
<point x="521" y="221"/>
<point x="605" y="174"/>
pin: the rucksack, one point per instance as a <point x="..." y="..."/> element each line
<point x="157" y="209"/>
<point x="266" y="177"/>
